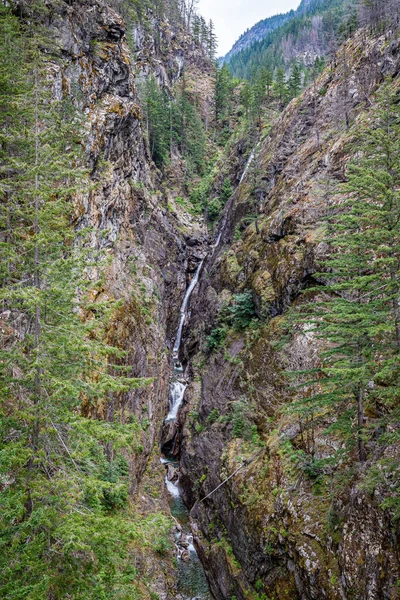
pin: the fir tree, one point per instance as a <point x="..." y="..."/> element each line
<point x="358" y="319"/>
<point x="58" y="527"/>
<point x="212" y="42"/>
<point x="294" y="83"/>
<point x="222" y="93"/>
<point x="280" y="87"/>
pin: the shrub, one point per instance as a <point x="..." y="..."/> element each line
<point x="242" y="310"/>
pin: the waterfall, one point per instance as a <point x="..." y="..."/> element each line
<point x="172" y="488"/>
<point x="176" y="393"/>
<point x="251" y="158"/>
<point x="183" y="310"/>
<point x="249" y="161"/>
<point x="192" y="583"/>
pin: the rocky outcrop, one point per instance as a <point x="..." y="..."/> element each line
<point x="270" y="530"/>
<point x="126" y="211"/>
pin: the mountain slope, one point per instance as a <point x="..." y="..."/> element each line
<point x="258" y="32"/>
<point x="277" y="518"/>
<point x="314" y="30"/>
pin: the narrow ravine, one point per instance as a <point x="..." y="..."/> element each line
<point x="192" y="583"/>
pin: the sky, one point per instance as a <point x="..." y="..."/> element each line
<point x="233" y="17"/>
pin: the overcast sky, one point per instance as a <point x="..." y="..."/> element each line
<point x="233" y="17"/>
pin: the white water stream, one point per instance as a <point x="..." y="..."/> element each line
<point x="176" y="392"/>
<point x="223" y="223"/>
<point x="185" y="302"/>
<point x="192" y="583"/>
<point x="250" y="160"/>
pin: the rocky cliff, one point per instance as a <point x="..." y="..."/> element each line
<point x="127" y="213"/>
<point x="271" y="531"/>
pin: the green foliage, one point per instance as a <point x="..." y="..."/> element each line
<point x="293" y="28"/>
<point x="226" y="191"/>
<point x="357" y="311"/>
<point x="239" y="315"/>
<point x="241" y="418"/>
<point x="223" y="91"/>
<point x="217" y="337"/>
<point x="66" y="527"/>
<point x="214" y="209"/>
<point x="242" y="310"/>
<point x="158" y="110"/>
<point x="214" y="415"/>
<point x="295" y="81"/>
<point x="173" y="123"/>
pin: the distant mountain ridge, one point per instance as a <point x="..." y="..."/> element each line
<point x="257" y="33"/>
<point x="306" y="34"/>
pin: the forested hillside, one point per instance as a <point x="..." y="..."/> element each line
<point x="85" y="290"/>
<point x="200" y="303"/>
<point x="256" y="33"/>
<point x="314" y="31"/>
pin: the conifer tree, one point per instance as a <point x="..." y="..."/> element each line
<point x="294" y="83"/>
<point x="280" y="86"/>
<point x="358" y="319"/>
<point x="58" y="532"/>
<point x="247" y="96"/>
<point x="269" y="80"/>
<point x="222" y="92"/>
<point x="212" y="41"/>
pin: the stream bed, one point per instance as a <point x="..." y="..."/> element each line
<point x="192" y="582"/>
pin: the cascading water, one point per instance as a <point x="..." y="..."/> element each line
<point x="184" y="306"/>
<point x="176" y="393"/>
<point x="223" y="223"/>
<point x="251" y="158"/>
<point x="192" y="583"/>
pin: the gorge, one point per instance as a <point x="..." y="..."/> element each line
<point x="199" y="304"/>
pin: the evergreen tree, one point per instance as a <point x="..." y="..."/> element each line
<point x="359" y="318"/>
<point x="280" y="87"/>
<point x="192" y="134"/>
<point x="223" y="91"/>
<point x="269" y="80"/>
<point x="212" y="42"/>
<point x="294" y="83"/>
<point x="247" y="96"/>
<point x="196" y="29"/>
<point x="65" y="524"/>
<point x="158" y="116"/>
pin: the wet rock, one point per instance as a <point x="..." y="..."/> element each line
<point x="185" y="556"/>
<point x="269" y="523"/>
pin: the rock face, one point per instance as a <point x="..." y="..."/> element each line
<point x="269" y="529"/>
<point x="127" y="213"/>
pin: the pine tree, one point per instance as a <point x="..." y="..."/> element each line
<point x="59" y="534"/>
<point x="247" y="96"/>
<point x="192" y="135"/>
<point x="294" y="83"/>
<point x="269" y="80"/>
<point x="280" y="87"/>
<point x="223" y="90"/>
<point x="158" y="115"/>
<point x="358" y="319"/>
<point x="212" y="42"/>
<point x="196" y="29"/>
<point x="374" y="180"/>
